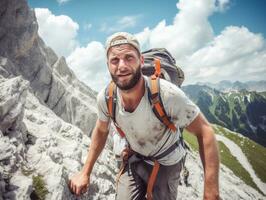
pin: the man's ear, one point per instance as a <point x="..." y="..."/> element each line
<point x="142" y="60"/>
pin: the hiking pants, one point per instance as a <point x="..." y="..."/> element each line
<point x="132" y="183"/>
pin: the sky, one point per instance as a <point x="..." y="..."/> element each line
<point x="211" y="40"/>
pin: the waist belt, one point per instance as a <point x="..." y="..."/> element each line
<point x="131" y="157"/>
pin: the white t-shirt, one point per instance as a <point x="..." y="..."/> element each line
<point x="144" y="132"/>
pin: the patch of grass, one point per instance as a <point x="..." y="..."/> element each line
<point x="255" y="153"/>
<point x="232" y="163"/>
<point x="26" y="172"/>
<point x="39" y="188"/>
<point x="214" y="102"/>
<point x="191" y="140"/>
<point x="249" y="148"/>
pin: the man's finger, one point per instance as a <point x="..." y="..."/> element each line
<point x="74" y="189"/>
<point x="78" y="190"/>
<point x="70" y="184"/>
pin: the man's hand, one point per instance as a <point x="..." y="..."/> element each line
<point x="79" y="183"/>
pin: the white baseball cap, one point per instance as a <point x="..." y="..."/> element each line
<point x="121" y="38"/>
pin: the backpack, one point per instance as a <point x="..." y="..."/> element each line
<point x="158" y="63"/>
<point x="169" y="70"/>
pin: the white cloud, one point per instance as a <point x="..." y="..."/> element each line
<point x="222" y="5"/>
<point x="128" y="21"/>
<point x="120" y="24"/>
<point x="89" y="64"/>
<point x="143" y="38"/>
<point x="62" y="1"/>
<point x="58" y="32"/>
<point x="234" y="54"/>
<point x="190" y="29"/>
<point x="233" y="43"/>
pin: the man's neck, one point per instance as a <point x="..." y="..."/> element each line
<point x="132" y="97"/>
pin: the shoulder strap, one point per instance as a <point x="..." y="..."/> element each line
<point x="155" y="98"/>
<point x="111" y="100"/>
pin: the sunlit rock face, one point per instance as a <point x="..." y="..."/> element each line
<point x="39" y="148"/>
<point x="22" y="52"/>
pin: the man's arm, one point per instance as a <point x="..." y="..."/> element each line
<point x="208" y="150"/>
<point x="80" y="181"/>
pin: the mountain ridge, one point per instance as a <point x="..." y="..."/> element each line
<point x="242" y="111"/>
<point x="227" y="86"/>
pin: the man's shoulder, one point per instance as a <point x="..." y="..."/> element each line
<point x="101" y="95"/>
<point x="170" y="88"/>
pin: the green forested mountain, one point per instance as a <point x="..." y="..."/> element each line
<point x="241" y="111"/>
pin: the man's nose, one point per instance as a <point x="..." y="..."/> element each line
<point x="121" y="64"/>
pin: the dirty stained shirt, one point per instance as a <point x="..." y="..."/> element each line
<point x="144" y="132"/>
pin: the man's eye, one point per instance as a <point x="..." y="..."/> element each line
<point x="114" y="60"/>
<point x="129" y="57"/>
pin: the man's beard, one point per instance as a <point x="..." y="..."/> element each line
<point x="130" y="83"/>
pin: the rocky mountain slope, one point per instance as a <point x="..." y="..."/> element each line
<point x="22" y="52"/>
<point x="242" y="111"/>
<point x="39" y="150"/>
<point x="46" y="115"/>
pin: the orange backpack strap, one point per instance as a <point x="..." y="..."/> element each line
<point x="152" y="179"/>
<point x="155" y="98"/>
<point x="157" y="64"/>
<point x="111" y="100"/>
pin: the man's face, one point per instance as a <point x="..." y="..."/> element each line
<point x="124" y="64"/>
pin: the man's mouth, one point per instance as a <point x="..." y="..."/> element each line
<point x="124" y="75"/>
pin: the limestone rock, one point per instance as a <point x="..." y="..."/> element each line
<point x="39" y="148"/>
<point x="23" y="52"/>
<point x="12" y="99"/>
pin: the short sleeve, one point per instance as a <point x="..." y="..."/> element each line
<point x="102" y="111"/>
<point x="178" y="106"/>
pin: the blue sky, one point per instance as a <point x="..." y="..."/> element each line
<point x="212" y="40"/>
<point x="248" y="13"/>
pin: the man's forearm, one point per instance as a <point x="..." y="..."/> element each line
<point x="210" y="159"/>
<point x="98" y="141"/>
